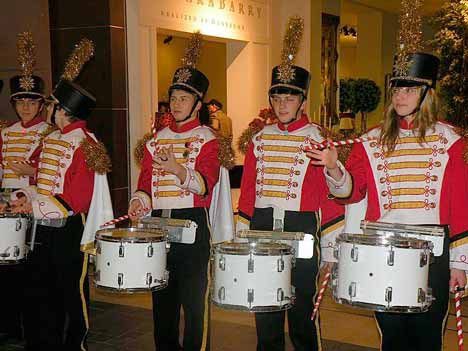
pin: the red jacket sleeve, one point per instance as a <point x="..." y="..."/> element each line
<point x="78" y="184"/>
<point x="248" y="184"/>
<point x="454" y="196"/>
<point x="207" y="164"/>
<point x="358" y="166"/>
<point x="144" y="180"/>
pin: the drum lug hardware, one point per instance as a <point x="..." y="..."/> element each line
<point x="121" y="250"/>
<point x="150" y="250"/>
<point x="250" y="297"/>
<point x="222" y="294"/>
<point x="5" y="253"/>
<point x="336" y="252"/>
<point x="16" y="251"/>
<point x="18" y="225"/>
<point x="120" y="278"/>
<point x="149" y="279"/>
<point x="280" y="295"/>
<point x="388" y="295"/>
<point x="421" y="296"/>
<point x="280" y="264"/>
<point x="352" y="290"/>
<point x="98" y="248"/>
<point x="250" y="264"/>
<point x="222" y="263"/>
<point x="391" y="257"/>
<point x="97" y="275"/>
<point x="354" y="253"/>
<point x="423" y="259"/>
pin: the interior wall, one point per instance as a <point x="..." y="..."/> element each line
<point x="19" y="16"/>
<point x="212" y="63"/>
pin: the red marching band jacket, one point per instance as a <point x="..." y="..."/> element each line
<point x="65" y="183"/>
<point x="278" y="173"/>
<point x="21" y="142"/>
<point x="195" y="148"/>
<point x="417" y="183"/>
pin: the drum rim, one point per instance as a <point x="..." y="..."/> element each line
<point x="163" y="285"/>
<point x="132" y="239"/>
<point x="14" y="215"/>
<point x="252" y="248"/>
<point x="381" y="308"/>
<point x="256" y="309"/>
<point x="383" y="240"/>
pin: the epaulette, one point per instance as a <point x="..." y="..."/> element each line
<point x="4" y="123"/>
<point x="139" y="151"/>
<point x="463" y="132"/>
<point x="226" y="155"/>
<point x="50" y="128"/>
<point x="96" y="156"/>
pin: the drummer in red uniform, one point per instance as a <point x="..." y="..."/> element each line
<point x="413" y="173"/>
<point x="20" y="146"/>
<point x="71" y="179"/>
<point x="282" y="190"/>
<point x="179" y="170"/>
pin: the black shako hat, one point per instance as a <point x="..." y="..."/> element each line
<point x="74" y="99"/>
<point x="295" y="82"/>
<point x="191" y="80"/>
<point x="421" y="69"/>
<point x="21" y="88"/>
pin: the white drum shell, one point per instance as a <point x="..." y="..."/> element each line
<point x="13" y="239"/>
<point x="372" y="276"/>
<point x="135" y="266"/>
<point x="267" y="287"/>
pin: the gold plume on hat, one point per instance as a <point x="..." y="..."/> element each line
<point x="291" y="44"/>
<point x="81" y="54"/>
<point x="26" y="59"/>
<point x="409" y="35"/>
<point x="193" y="50"/>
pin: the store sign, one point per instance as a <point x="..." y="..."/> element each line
<point x="231" y="19"/>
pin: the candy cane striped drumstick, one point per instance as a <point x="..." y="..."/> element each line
<point x="459" y="318"/>
<point x="124" y="217"/>
<point x="326" y="143"/>
<point x="323" y="287"/>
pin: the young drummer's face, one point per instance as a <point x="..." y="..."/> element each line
<point x="286" y="106"/>
<point x="181" y="103"/>
<point x="28" y="108"/>
<point x="405" y="99"/>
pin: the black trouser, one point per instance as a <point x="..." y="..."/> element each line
<point x="12" y="299"/>
<point x="304" y="333"/>
<point x="57" y="291"/>
<point x="420" y="331"/>
<point x="188" y="280"/>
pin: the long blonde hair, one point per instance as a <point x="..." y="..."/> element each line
<point x="424" y="119"/>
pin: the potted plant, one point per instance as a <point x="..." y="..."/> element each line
<point x="367" y="97"/>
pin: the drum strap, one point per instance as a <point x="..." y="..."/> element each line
<point x="166" y="213"/>
<point x="278" y="219"/>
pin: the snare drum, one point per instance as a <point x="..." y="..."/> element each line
<point x="13" y="228"/>
<point x="382" y="273"/>
<point x="254" y="277"/>
<point x="131" y="259"/>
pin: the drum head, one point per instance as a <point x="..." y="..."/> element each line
<point x="383" y="240"/>
<point x="131" y="234"/>
<point x="256" y="248"/>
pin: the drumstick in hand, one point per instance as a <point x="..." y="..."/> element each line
<point x="320" y="295"/>
<point x="124" y="217"/>
<point x="458" y="316"/>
